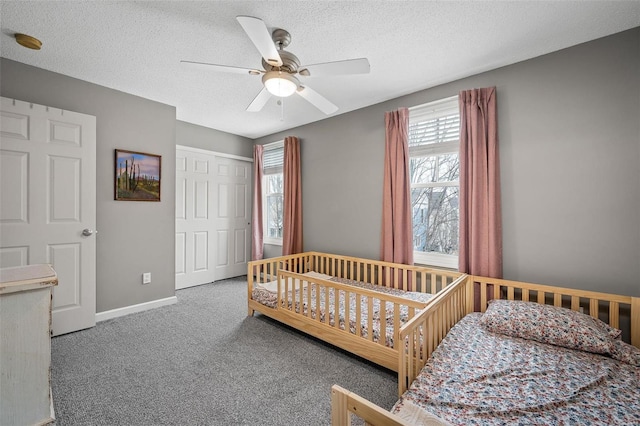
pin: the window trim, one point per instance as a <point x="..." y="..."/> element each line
<point x="436" y="259"/>
<point x="425" y="112"/>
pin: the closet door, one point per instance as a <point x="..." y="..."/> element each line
<point x="213" y="210"/>
<point x="232" y="216"/>
<point x="195" y="254"/>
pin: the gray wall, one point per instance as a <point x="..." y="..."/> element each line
<point x="569" y="149"/>
<point x="134" y="237"/>
<point x="192" y="135"/>
<point x="569" y="130"/>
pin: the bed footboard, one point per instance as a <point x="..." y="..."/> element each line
<point x="266" y="270"/>
<point x="345" y="403"/>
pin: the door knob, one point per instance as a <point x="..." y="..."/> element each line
<point x="87" y="232"/>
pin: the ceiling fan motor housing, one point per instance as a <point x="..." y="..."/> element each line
<point x="290" y="63"/>
<point x="281" y="38"/>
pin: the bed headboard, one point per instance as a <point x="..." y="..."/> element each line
<point x="621" y="312"/>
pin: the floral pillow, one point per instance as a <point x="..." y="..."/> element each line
<point x="613" y="332"/>
<point x="626" y="353"/>
<point x="550" y="324"/>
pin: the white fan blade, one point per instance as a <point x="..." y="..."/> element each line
<point x="350" y="66"/>
<point x="220" y="68"/>
<point x="259" y="101"/>
<point x="259" y="35"/>
<point x="317" y="100"/>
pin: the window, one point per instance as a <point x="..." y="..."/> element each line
<point x="434" y="167"/>
<point x="272" y="193"/>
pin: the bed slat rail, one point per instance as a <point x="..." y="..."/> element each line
<point x="425" y="331"/>
<point x="404" y="277"/>
<point x="343" y="321"/>
<point x="346" y="287"/>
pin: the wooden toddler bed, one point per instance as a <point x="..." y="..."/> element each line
<point x="501" y="367"/>
<point x="353" y="303"/>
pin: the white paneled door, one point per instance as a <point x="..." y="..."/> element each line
<point x="194" y="218"/>
<point x="48" y="203"/>
<point x="232" y="216"/>
<point x="212" y="216"/>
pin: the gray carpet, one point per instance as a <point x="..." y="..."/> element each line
<point x="202" y="361"/>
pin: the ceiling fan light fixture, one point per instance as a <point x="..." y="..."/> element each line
<point x="281" y="84"/>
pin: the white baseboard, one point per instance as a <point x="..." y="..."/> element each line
<point x="140" y="307"/>
<point x="51" y="409"/>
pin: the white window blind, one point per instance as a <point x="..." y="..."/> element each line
<point x="273" y="158"/>
<point x="434" y="127"/>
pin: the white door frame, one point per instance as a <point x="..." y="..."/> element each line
<point x="215" y="153"/>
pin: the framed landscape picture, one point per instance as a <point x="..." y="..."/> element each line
<point x="137" y="176"/>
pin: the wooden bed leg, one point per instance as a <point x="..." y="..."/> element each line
<point x="251" y="311"/>
<point x="635" y="321"/>
<point x="339" y="412"/>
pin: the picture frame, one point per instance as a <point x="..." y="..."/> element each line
<point x="137" y="176"/>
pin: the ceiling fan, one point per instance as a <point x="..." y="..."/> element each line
<point x="282" y="68"/>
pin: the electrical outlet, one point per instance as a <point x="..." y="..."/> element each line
<point x="146" y="278"/>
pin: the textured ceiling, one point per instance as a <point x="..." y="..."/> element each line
<point x="136" y="47"/>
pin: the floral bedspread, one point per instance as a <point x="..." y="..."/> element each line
<point x="270" y="299"/>
<point x="476" y="377"/>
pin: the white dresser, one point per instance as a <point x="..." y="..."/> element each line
<point x="25" y="345"/>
